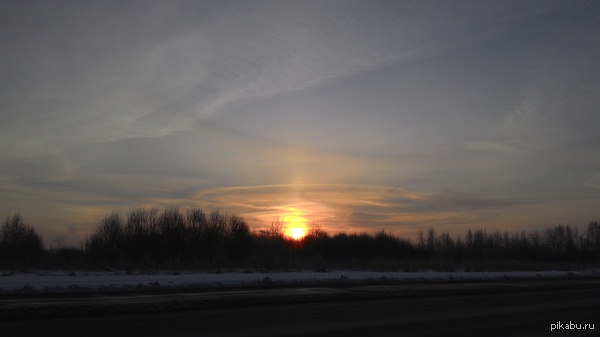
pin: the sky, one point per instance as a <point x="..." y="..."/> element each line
<point x="356" y="115"/>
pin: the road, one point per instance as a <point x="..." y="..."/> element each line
<point x="482" y="314"/>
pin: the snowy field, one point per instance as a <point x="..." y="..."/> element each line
<point x="62" y="282"/>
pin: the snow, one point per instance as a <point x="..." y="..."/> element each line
<point x="58" y="282"/>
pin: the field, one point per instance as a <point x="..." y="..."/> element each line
<point x="60" y="282"/>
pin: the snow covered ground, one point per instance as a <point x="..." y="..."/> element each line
<point x="56" y="282"/>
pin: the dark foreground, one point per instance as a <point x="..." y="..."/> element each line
<point x="506" y="313"/>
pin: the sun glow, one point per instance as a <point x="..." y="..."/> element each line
<point x="295" y="227"/>
<point x="296" y="233"/>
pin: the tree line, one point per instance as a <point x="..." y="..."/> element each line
<point x="149" y="238"/>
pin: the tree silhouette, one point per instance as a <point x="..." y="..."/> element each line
<point x="19" y="242"/>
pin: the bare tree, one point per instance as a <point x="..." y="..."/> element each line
<point x="20" y="240"/>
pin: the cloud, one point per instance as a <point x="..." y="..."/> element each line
<point x="151" y="83"/>
<point x="593" y="182"/>
<point x="496" y="147"/>
<point x="283" y="48"/>
<point x="349" y="207"/>
<point x="460" y="201"/>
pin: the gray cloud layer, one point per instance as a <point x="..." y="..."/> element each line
<point x="475" y="107"/>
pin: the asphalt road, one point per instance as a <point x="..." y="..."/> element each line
<point x="497" y="314"/>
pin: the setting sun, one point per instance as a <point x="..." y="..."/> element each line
<point x="295" y="227"/>
<point x="296" y="233"/>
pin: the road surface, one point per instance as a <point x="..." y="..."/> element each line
<point x="513" y="313"/>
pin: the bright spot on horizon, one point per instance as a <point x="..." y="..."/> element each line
<point x="295" y="227"/>
<point x="296" y="233"/>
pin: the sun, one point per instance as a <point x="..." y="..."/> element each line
<point x="295" y="227"/>
<point x="296" y="233"/>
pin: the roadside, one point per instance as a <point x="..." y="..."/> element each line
<point x="53" y="305"/>
<point x="47" y="282"/>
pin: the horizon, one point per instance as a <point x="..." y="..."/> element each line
<point x="359" y="116"/>
<point x="293" y="228"/>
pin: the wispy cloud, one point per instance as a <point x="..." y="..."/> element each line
<point x="497" y="147"/>
<point x="345" y="207"/>
<point x="593" y="182"/>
